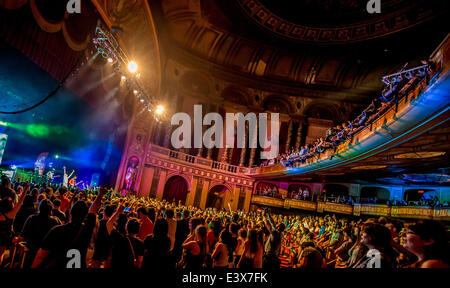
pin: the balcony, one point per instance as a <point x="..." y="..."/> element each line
<point x="200" y="162"/>
<point x="376" y="210"/>
<point x="426" y="106"/>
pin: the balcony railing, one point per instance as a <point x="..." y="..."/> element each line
<point x="357" y="209"/>
<point x="207" y="163"/>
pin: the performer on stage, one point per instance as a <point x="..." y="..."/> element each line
<point x="66" y="177"/>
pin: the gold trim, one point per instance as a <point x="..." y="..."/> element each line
<point x="44" y="24"/>
<point x="72" y="44"/>
<point x="12" y="4"/>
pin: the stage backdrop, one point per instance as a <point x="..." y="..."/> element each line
<point x="76" y="134"/>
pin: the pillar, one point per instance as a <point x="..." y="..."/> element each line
<point x="244" y="149"/>
<point x="167" y="136"/>
<point x="289" y="135"/>
<point x="146" y="181"/>
<point x="205" y="191"/>
<point x="191" y="194"/>
<point x="248" y="196"/>
<point x="161" y="184"/>
<point x="209" y="155"/>
<point x="254" y="141"/>
<point x="157" y="133"/>
<point x="299" y="136"/>
<point x="235" y="197"/>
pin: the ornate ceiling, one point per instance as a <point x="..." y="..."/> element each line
<point x="218" y="38"/>
<point x="337" y="21"/>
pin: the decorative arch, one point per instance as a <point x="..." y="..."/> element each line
<point x="176" y="189"/>
<point x="218" y="196"/>
<point x="379" y="193"/>
<point x="236" y="95"/>
<point x="417" y="194"/>
<point x="277" y="104"/>
<point x="216" y="183"/>
<point x="335" y="190"/>
<point x="322" y="110"/>
<point x="294" y="188"/>
<point x="196" y="82"/>
<point x="267" y="189"/>
<point x="185" y="176"/>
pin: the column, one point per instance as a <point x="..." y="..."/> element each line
<point x="167" y="135"/>
<point x="235" y="197"/>
<point x="210" y="151"/>
<point x="244" y="149"/>
<point x="205" y="191"/>
<point x="157" y="134"/>
<point x="299" y="136"/>
<point x="248" y="196"/>
<point x="254" y="140"/>
<point x="191" y="194"/>
<point x="227" y="154"/>
<point x="161" y="184"/>
<point x="289" y="135"/>
<point x="146" y="181"/>
<point x="200" y="150"/>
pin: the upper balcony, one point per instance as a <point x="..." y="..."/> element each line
<point x="424" y="108"/>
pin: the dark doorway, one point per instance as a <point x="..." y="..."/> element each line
<point x="216" y="197"/>
<point x="417" y="194"/>
<point x="176" y="190"/>
<point x="335" y="190"/>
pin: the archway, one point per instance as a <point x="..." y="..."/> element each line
<point x="268" y="189"/>
<point x="217" y="197"/>
<point x="176" y="189"/>
<point x="380" y="193"/>
<point x="417" y="194"/>
<point x="277" y="105"/>
<point x="294" y="189"/>
<point x="335" y="190"/>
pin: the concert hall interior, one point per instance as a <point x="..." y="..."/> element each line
<point x="288" y="135"/>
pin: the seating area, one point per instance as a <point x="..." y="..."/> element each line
<point x="396" y="89"/>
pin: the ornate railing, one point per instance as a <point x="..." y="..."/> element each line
<point x="355" y="209"/>
<point x="187" y="158"/>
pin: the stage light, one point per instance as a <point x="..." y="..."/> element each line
<point x="2" y="123"/>
<point x="124" y="78"/>
<point x="159" y="109"/>
<point x="132" y="67"/>
<point x="14" y="167"/>
<point x="110" y="60"/>
<point x="56" y="156"/>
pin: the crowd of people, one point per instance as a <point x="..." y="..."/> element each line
<point x="335" y="136"/>
<point x="40" y="224"/>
